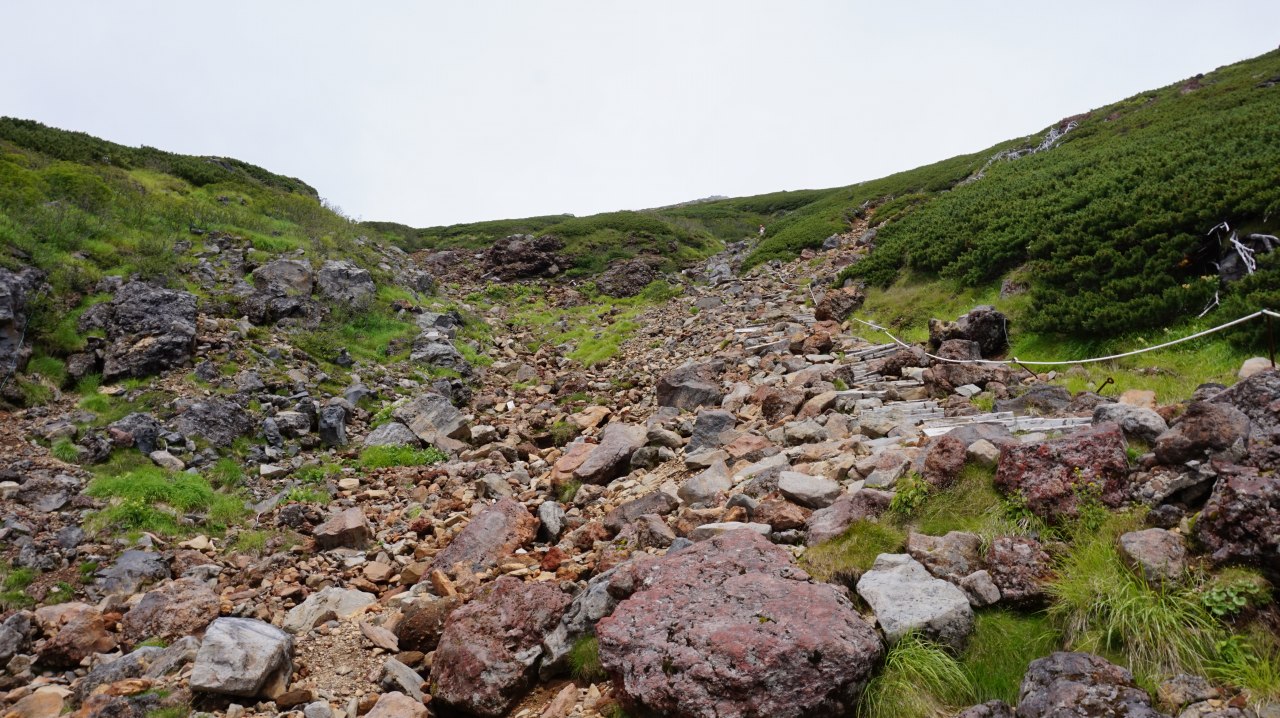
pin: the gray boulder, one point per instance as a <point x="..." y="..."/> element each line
<point x="1137" y="422"/>
<point x="344" y="282"/>
<point x="392" y="433"/>
<point x="690" y="386"/>
<point x="15" y="291"/>
<point x="906" y="598"/>
<point x="332" y="602"/>
<point x="137" y="430"/>
<point x="579" y="621"/>
<point x="243" y="657"/>
<point x="1081" y="684"/>
<point x="611" y="457"/>
<point x="149" y="330"/>
<point x="1156" y="554"/>
<point x="432" y="418"/>
<point x="814" y="492"/>
<point x="704" y="487"/>
<point x="430" y="350"/>
<point x="132" y="570"/>
<point x="218" y="421"/>
<point x="708" y="428"/>
<point x="333" y="426"/>
<point x="293" y="276"/>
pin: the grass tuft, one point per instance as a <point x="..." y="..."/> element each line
<point x="584" y="660"/>
<point x="377" y="457"/>
<point x="920" y="679"/>
<point x="849" y="555"/>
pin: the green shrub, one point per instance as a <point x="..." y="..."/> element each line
<point x="846" y="557"/>
<point x="377" y="457"/>
<point x="568" y="490"/>
<point x="920" y="679"/>
<point x="909" y="494"/>
<point x="306" y="495"/>
<point x="562" y="432"/>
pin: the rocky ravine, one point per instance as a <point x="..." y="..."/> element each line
<point x="669" y="528"/>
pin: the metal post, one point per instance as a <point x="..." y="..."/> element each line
<point x="1271" y="342"/>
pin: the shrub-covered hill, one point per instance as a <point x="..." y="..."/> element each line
<point x="1107" y="215"/>
<point x="79" y="209"/>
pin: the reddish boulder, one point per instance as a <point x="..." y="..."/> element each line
<point x="1054" y="477"/>
<point x="181" y="608"/>
<point x="1203" y="431"/>
<point x="423" y="621"/>
<point x="942" y="461"/>
<point x="1081" y="684"/>
<point x="1019" y="567"/>
<point x="79" y="630"/>
<point x="490" y="646"/>
<point x="1241" y="521"/>
<point x="493" y="534"/>
<point x="837" y="304"/>
<point x="731" y="628"/>
<point x="612" y="456"/>
<point x="1258" y="397"/>
<point x="345" y="528"/>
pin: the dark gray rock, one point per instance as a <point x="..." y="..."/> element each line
<point x="216" y="420"/>
<point x="579" y="621"/>
<point x="435" y="352"/>
<point x="16" y="290"/>
<point x="333" y="426"/>
<point x="628" y="277"/>
<point x="611" y="457"/>
<point x="1081" y="684"/>
<point x="432" y="418"/>
<point x="1206" y="430"/>
<point x="1258" y="397"/>
<point x="658" y="502"/>
<point x="47" y="493"/>
<point x="690" y="386"/>
<point x="149" y="330"/>
<point x="392" y="433"/>
<point x="708" y="428"/>
<point x="132" y="570"/>
<point x="141" y="431"/>
<point x="1137" y="422"/>
<point x="520" y="256"/>
<point x="342" y="281"/>
<point x="983" y="324"/>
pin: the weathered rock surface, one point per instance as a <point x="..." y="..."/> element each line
<point x="815" y="492"/>
<point x="180" y="608"/>
<point x="325" y="604"/>
<point x="612" y="455"/>
<point x="149" y="329"/>
<point x="1136" y="422"/>
<point x="15" y="290"/>
<point x="1241" y="521"/>
<point x="689" y="387"/>
<point x="522" y="255"/>
<point x="218" y="421"/>
<point x="493" y="534"/>
<point x="906" y="598"/>
<point x="590" y="605"/>
<point x="1019" y="567"/>
<point x="344" y="282"/>
<point x="983" y="324"/>
<point x="1157" y="555"/>
<point x="731" y="628"/>
<point x="1052" y="477"/>
<point x="1081" y="684"/>
<point x="950" y="557"/>
<point x="628" y="277"/>
<point x="432" y="418"/>
<point x="489" y="648"/>
<point x="345" y="528"/>
<point x="392" y="433"/>
<point x="837" y="304"/>
<point x="79" y="631"/>
<point x="1258" y="397"/>
<point x="243" y="657"/>
<point x="855" y="506"/>
<point x="1205" y="430"/>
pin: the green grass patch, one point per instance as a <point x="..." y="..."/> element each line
<point x="1103" y="607"/>
<point x="844" y="558"/>
<point x="377" y="457"/>
<point x="226" y="473"/>
<point x="568" y="490"/>
<point x="152" y="499"/>
<point x="584" y="660"/>
<point x="1001" y="647"/>
<point x="306" y="495"/>
<point x="920" y="679"/>
<point x="64" y="450"/>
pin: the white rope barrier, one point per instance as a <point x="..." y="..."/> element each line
<point x="1017" y="361"/>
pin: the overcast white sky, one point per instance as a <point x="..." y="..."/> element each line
<point x="432" y="113"/>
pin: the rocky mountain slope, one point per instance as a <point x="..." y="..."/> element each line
<point x="258" y="460"/>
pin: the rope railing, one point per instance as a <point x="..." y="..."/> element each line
<point x="1016" y="361"/>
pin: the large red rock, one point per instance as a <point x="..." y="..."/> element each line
<point x="181" y="608"/>
<point x="1258" y="397"/>
<point x="731" y="628"/>
<point x="1020" y="568"/>
<point x="492" y="535"/>
<point x="1241" y="521"/>
<point x="1204" y="430"/>
<point x="78" y="631"/>
<point x="490" y="646"/>
<point x="1054" y="477"/>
